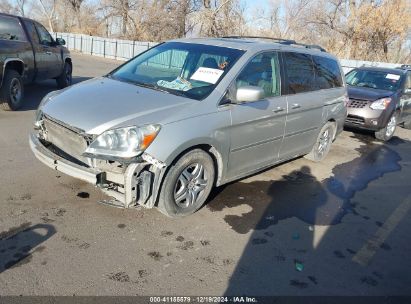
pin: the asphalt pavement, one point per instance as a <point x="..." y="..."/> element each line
<point x="340" y="227"/>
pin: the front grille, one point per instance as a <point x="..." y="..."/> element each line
<point x="356" y="120"/>
<point x="357" y="103"/>
<point x="65" y="139"/>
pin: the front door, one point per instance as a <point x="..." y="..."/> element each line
<point x="50" y="53"/>
<point x="257" y="128"/>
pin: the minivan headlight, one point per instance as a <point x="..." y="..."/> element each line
<point x="380" y="104"/>
<point x="123" y="142"/>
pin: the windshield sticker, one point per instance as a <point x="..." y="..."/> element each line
<point x="393" y="76"/>
<point x="207" y="75"/>
<point x="179" y="84"/>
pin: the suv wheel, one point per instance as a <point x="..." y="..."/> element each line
<point x="407" y="124"/>
<point x="187" y="184"/>
<point x="66" y="78"/>
<point x="323" y="143"/>
<point x="12" y="91"/>
<point x="389" y="130"/>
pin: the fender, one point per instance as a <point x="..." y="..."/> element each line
<point x="5" y="64"/>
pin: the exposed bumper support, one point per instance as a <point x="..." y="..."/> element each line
<point x="138" y="185"/>
<point x="56" y="162"/>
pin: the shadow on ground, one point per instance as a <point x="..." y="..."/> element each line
<point x="298" y="195"/>
<point x="35" y="92"/>
<point x="18" y="244"/>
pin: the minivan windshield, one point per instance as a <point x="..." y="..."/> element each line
<point x="186" y="69"/>
<point x="374" y="79"/>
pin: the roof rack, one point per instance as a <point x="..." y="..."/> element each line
<point x="280" y="41"/>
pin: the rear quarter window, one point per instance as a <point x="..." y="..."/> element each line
<point x="327" y="73"/>
<point x="299" y="73"/>
<point x="10" y="29"/>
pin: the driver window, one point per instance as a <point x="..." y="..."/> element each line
<point x="44" y="35"/>
<point x="262" y="71"/>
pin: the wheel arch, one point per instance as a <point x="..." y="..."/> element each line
<point x="208" y="148"/>
<point x="12" y="64"/>
<point x="68" y="60"/>
<point x="332" y="120"/>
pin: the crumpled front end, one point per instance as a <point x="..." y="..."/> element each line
<point x="132" y="182"/>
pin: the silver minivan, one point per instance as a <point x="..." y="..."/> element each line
<point x="167" y="126"/>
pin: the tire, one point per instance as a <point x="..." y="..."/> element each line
<point x="407" y="124"/>
<point x="187" y="184"/>
<point x="323" y="143"/>
<point x="11" y="91"/>
<point x="66" y="77"/>
<point x="388" y="131"/>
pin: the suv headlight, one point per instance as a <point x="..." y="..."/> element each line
<point x="380" y="104"/>
<point x="124" y="142"/>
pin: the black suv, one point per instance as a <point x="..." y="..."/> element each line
<point x="380" y="99"/>
<point x="27" y="53"/>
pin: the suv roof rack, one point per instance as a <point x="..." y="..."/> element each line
<point x="280" y="41"/>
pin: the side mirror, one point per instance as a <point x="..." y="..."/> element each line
<point x="407" y="91"/>
<point x="60" y="41"/>
<point x="249" y="94"/>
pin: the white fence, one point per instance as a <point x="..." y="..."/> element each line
<point x="125" y="49"/>
<point x="104" y="47"/>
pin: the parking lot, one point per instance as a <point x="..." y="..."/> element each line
<point x="340" y="227"/>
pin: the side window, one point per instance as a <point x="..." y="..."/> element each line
<point x="10" y="29"/>
<point x="44" y="35"/>
<point x="262" y="71"/>
<point x="32" y="31"/>
<point x="327" y="73"/>
<point x="300" y="72"/>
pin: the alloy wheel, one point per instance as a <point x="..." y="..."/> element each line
<point x="190" y="185"/>
<point x="323" y="142"/>
<point x="15" y="91"/>
<point x="391" y="126"/>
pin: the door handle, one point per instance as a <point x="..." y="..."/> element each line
<point x="295" y="106"/>
<point x="48" y="53"/>
<point x="278" y="109"/>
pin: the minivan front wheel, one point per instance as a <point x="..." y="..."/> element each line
<point x="323" y="143"/>
<point x="187" y="184"/>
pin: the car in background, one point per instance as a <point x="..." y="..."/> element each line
<point x="29" y="53"/>
<point x="170" y="124"/>
<point x="379" y="99"/>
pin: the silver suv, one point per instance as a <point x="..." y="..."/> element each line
<point x="167" y="126"/>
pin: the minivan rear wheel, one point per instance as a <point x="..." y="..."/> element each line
<point x="388" y="131"/>
<point x="323" y="143"/>
<point x="187" y="184"/>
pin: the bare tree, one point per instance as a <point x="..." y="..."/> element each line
<point x="76" y="7"/>
<point x="48" y="9"/>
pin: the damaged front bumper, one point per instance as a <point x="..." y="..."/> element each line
<point x="137" y="184"/>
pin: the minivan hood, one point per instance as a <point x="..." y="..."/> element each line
<point x="367" y="93"/>
<point x="99" y="104"/>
